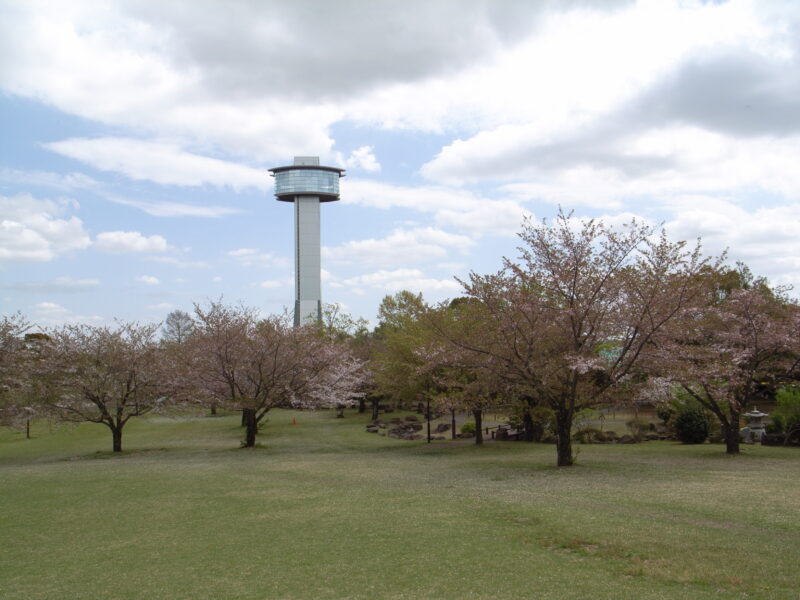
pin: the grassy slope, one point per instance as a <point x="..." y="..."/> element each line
<point x="324" y="510"/>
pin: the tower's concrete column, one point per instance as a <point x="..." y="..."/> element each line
<point x="307" y="263"/>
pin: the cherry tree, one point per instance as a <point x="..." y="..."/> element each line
<point x="102" y="374"/>
<point x="569" y="320"/>
<point x="254" y="365"/>
<point x="722" y="352"/>
<point x="15" y="409"/>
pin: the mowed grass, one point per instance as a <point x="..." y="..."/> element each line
<point x="324" y="510"/>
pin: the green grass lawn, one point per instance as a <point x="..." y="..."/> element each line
<point x="324" y="510"/>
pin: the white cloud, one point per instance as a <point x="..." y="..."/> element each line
<point x="175" y="209"/>
<point x="53" y="314"/>
<point x="59" y="284"/>
<point x="34" y="230"/>
<point x="237" y="78"/>
<point x="403" y="246"/>
<point x="460" y="209"/>
<point x="50" y="309"/>
<point x="216" y="279"/>
<point x="129" y="241"/>
<point x="252" y="257"/>
<point x="161" y="162"/>
<point x="403" y="279"/>
<point x="686" y="160"/>
<point x="181" y="264"/>
<point x="500" y="217"/>
<point x="765" y="239"/>
<point x="271" y="283"/>
<point x="66" y="182"/>
<point x="363" y="158"/>
<point x="162" y="306"/>
<point x="148" y="279"/>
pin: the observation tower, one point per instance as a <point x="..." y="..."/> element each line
<point x="307" y="183"/>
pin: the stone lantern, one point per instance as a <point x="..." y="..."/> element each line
<point x="756" y="423"/>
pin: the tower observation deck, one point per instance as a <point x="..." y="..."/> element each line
<point x="306" y="183"/>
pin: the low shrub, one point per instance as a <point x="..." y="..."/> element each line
<point x="588" y="435"/>
<point x="665" y="412"/>
<point x="638" y="427"/>
<point x="468" y="428"/>
<point x="691" y="426"/>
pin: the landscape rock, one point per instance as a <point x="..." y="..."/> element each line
<point x="626" y="439"/>
<point x="442" y="427"/>
<point x="412" y="418"/>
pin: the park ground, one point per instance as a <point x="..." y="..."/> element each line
<point x="321" y="509"/>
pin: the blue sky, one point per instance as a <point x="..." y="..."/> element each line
<point x="136" y="138"/>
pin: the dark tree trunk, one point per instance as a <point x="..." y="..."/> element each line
<point x="251" y="424"/>
<point x="375" y="405"/>
<point x="27" y="429"/>
<point x="564" y="438"/>
<point x="731" y="432"/>
<point x="116" y="433"/>
<point x="428" y="418"/>
<point x="527" y="423"/>
<point x="453" y="423"/>
<point x="478" y="414"/>
<point x="214" y="409"/>
<point x="362" y="405"/>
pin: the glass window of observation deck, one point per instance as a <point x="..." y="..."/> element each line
<point x="307" y="180"/>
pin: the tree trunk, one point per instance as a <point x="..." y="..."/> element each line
<point x="214" y="409"/>
<point x="362" y="405"/>
<point x="478" y="414"/>
<point x="452" y="423"/>
<point x="116" y="433"/>
<point x="564" y="438"/>
<point x="428" y="418"/>
<point x="731" y="432"/>
<point x="244" y="419"/>
<point x="251" y="424"/>
<point x="527" y="421"/>
<point x="375" y="404"/>
<point x="27" y="429"/>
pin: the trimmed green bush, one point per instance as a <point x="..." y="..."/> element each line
<point x="691" y="426"/>
<point x="665" y="412"/>
<point x="468" y="428"/>
<point x="638" y="427"/>
<point x="588" y="435"/>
